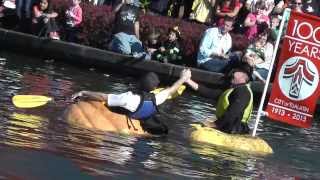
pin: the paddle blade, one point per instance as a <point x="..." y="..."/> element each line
<point x="30" y="101"/>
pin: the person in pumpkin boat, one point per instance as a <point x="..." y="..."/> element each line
<point x="141" y="105"/>
<point x="235" y="104"/>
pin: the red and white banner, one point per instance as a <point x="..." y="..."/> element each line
<point x="295" y="89"/>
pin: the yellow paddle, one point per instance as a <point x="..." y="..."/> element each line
<point x="30" y="101"/>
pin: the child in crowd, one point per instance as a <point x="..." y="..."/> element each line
<point x="170" y="49"/>
<point x="275" y="23"/>
<point x="254" y="19"/>
<point x="152" y="44"/>
<point x="73" y="21"/>
<point x="43" y="20"/>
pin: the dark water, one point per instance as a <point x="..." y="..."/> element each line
<point x="37" y="144"/>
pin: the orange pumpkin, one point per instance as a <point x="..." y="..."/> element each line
<point x="95" y="115"/>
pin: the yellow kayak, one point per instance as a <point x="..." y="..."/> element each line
<point x="240" y="142"/>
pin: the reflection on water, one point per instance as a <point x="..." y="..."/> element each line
<point x="39" y="138"/>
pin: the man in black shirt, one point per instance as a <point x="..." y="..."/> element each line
<point x="235" y="104"/>
<point x="126" y="30"/>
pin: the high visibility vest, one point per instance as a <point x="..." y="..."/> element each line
<point x="202" y="10"/>
<point x="223" y="104"/>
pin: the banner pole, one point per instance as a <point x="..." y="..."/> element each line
<point x="265" y="89"/>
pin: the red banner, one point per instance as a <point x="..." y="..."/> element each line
<point x="295" y="89"/>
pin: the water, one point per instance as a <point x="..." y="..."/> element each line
<point x="37" y="144"/>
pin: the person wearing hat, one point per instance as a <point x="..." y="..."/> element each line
<point x="141" y="105"/>
<point x="235" y="104"/>
<point x="170" y="51"/>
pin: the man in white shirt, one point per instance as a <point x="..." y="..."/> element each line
<point x="141" y="105"/>
<point x="214" y="46"/>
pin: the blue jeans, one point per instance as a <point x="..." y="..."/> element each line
<point x="126" y="44"/>
<point x="24" y="6"/>
<point x="217" y="64"/>
<point x="263" y="73"/>
<point x="129" y="45"/>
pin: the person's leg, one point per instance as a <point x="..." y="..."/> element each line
<point x="120" y="44"/>
<point x="137" y="49"/>
<point x="136" y="44"/>
<point x="215" y="65"/>
<point x="19" y="4"/>
<point x="28" y="7"/>
<point x="260" y="74"/>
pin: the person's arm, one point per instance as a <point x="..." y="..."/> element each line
<point x="203" y="90"/>
<point x="268" y="53"/>
<point x="36" y="12"/>
<point x="137" y="29"/>
<point x="96" y="96"/>
<point x="52" y="15"/>
<point x="77" y="16"/>
<point x="219" y="13"/>
<point x="234" y="12"/>
<point x="181" y="11"/>
<point x="205" y="50"/>
<point x="164" y="94"/>
<point x="212" y="3"/>
<point x="279" y="7"/>
<point x="118" y="7"/>
<point x="270" y="8"/>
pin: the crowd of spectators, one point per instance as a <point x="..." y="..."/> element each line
<point x="256" y="21"/>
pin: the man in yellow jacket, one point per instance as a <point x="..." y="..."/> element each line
<point x="235" y="104"/>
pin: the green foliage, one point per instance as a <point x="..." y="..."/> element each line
<point x="144" y="4"/>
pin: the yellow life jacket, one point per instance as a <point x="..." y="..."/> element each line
<point x="202" y="10"/>
<point x="223" y="104"/>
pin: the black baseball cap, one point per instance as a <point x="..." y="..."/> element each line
<point x="241" y="67"/>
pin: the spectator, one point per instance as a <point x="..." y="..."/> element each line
<point x="73" y="21"/>
<point x="152" y="43"/>
<point x="235" y="103"/>
<point x="159" y="6"/>
<point x="259" y="55"/>
<point x="254" y="19"/>
<point x="280" y="5"/>
<point x="202" y="10"/>
<point x="227" y="8"/>
<point x="176" y="8"/>
<point x="214" y="47"/>
<point x="170" y="50"/>
<point x="296" y="5"/>
<point x="275" y="23"/>
<point x="126" y="31"/>
<point x="43" y="20"/>
<point x="251" y="5"/>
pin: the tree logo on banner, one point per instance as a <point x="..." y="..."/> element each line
<point x="298" y="78"/>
